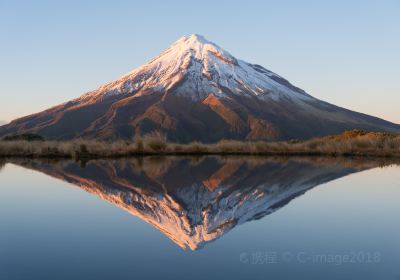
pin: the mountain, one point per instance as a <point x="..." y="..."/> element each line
<point x="195" y="201"/>
<point x="196" y="91"/>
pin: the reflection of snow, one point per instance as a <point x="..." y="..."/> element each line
<point x="195" y="203"/>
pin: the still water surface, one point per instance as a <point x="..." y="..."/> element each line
<point x="200" y="218"/>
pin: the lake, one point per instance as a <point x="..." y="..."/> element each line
<point x="200" y="218"/>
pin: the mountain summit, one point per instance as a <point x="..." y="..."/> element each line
<point x="194" y="67"/>
<point x="196" y="91"/>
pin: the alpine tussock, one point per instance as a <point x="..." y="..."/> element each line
<point x="352" y="143"/>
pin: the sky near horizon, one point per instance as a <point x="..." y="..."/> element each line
<point x="344" y="52"/>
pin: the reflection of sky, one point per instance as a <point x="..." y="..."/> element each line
<point x="51" y="227"/>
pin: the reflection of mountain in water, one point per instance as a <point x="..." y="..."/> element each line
<point x="195" y="201"/>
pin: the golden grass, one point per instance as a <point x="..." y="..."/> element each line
<point x="353" y="143"/>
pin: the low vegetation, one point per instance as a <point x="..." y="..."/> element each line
<point x="352" y="143"/>
<point x="24" y="137"/>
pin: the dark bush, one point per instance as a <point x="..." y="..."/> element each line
<point x="24" y="137"/>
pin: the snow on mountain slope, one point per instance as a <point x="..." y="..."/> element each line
<point x="195" y="67"/>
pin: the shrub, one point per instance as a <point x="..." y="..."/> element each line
<point x="156" y="141"/>
<point x="139" y="146"/>
<point x="196" y="148"/>
<point x="24" y="137"/>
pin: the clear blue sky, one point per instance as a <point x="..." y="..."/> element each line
<point x="344" y="52"/>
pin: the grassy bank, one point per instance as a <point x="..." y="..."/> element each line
<point x="352" y="143"/>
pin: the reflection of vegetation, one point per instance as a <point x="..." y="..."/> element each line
<point x="155" y="163"/>
<point x="2" y="163"/>
<point x="352" y="143"/>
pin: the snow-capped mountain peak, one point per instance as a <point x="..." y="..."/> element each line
<point x="201" y="49"/>
<point x="194" y="67"/>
